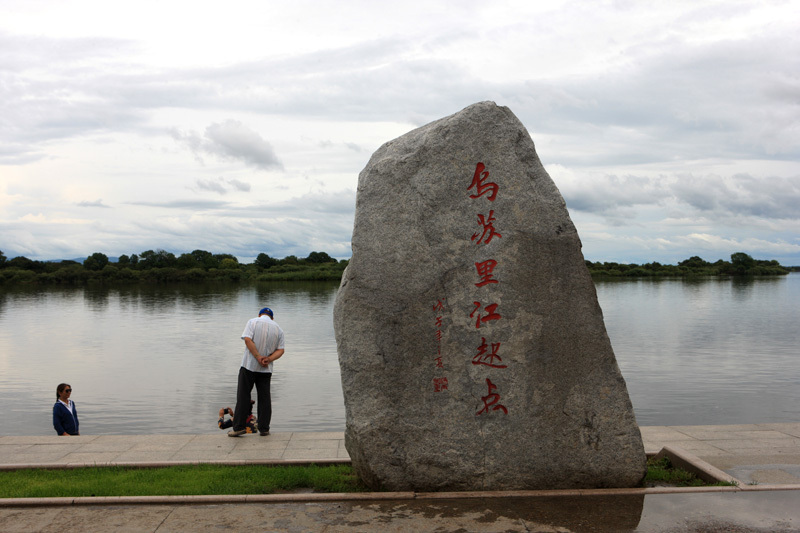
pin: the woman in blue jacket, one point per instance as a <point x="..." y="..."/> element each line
<point x="65" y="416"/>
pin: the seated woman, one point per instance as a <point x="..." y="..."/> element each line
<point x="250" y="426"/>
<point x="65" y="415"/>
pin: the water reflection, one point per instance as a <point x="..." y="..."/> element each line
<point x="707" y="351"/>
<point x="164" y="359"/>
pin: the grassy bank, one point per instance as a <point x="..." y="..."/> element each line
<point x="177" y="480"/>
<point x="661" y="472"/>
<point x="201" y="266"/>
<point x="192" y="480"/>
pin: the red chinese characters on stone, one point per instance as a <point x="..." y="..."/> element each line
<point x="480" y="184"/>
<point x="487" y="223"/>
<point x="491" y="359"/>
<point x="487" y="353"/>
<point x="438" y="306"/>
<point x="439" y="384"/>
<point x="485" y="270"/>
<point x="492" y="400"/>
<point x="491" y="314"/>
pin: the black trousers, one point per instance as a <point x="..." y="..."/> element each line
<point x="246" y="381"/>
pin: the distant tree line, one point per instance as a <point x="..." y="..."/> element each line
<point x="741" y="264"/>
<point x="160" y="266"/>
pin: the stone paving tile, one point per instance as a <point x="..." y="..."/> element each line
<point x="200" y="456"/>
<point x="90" y="458"/>
<point x="166" y="447"/>
<point x="773" y="476"/>
<point x="142" y="457"/>
<point x="125" y="439"/>
<point x="768" y="474"/>
<point x="699" y="448"/>
<point x="63" y="449"/>
<point x="738" y="445"/>
<point x="332" y="445"/>
<point x="309" y="454"/>
<point x="728" y="462"/>
<point x="761" y="435"/>
<point x="276" y="446"/>
<point x="789" y="429"/>
<point x="694" y="430"/>
<point x="210" y="448"/>
<point x="222" y="436"/>
<point x="332" y="435"/>
<point x="10" y="449"/>
<point x="256" y="455"/>
<point x="663" y="433"/>
<point x="37" y="458"/>
<point x="283" y="435"/>
<point x="46" y="439"/>
<point x="257" y="442"/>
<point x="102" y="445"/>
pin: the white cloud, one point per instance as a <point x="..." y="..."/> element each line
<point x="231" y="140"/>
<point x="222" y="185"/>
<point x="96" y="203"/>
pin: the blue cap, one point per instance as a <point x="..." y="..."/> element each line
<point x="265" y="311"/>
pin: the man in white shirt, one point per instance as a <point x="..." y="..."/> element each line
<point x="263" y="339"/>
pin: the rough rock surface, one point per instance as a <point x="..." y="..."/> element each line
<point x="472" y="348"/>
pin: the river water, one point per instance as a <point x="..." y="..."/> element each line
<point x="164" y="360"/>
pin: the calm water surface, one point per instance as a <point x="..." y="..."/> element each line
<point x="165" y="360"/>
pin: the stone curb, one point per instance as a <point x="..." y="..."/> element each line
<point x="334" y="497"/>
<point x="163" y="464"/>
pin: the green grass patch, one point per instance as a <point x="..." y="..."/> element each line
<point x="662" y="472"/>
<point x="204" y="479"/>
<point x="209" y="479"/>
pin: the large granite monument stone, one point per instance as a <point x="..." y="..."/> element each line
<point x="472" y="348"/>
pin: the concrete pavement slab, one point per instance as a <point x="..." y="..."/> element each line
<point x="775" y="474"/>
<point x="90" y="458"/>
<point x="260" y="455"/>
<point x="792" y="429"/>
<point x="332" y="435"/>
<point x="316" y="444"/>
<point x="698" y="448"/>
<point x="47" y="439"/>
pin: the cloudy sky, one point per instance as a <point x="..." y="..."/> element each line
<point x="671" y="128"/>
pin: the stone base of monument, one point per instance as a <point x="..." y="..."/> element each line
<point x="472" y="348"/>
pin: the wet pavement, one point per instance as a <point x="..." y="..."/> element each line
<point x="773" y="511"/>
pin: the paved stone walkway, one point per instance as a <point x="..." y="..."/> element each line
<point x="164" y="449"/>
<point x="763" y="454"/>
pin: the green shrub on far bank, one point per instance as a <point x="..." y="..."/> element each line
<point x="740" y="264"/>
<point x="161" y="267"/>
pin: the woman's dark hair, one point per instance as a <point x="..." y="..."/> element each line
<point x="60" y="389"/>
